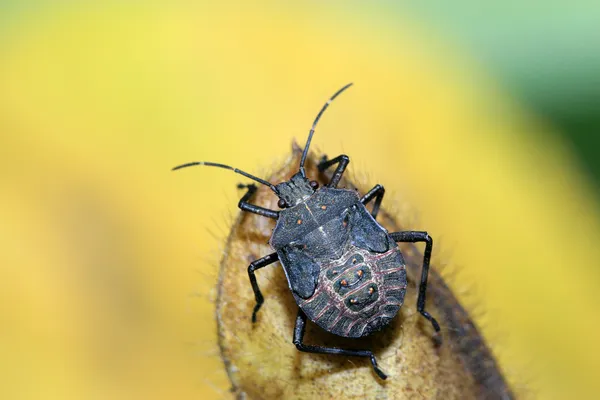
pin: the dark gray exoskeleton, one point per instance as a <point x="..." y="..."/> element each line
<point x="344" y="269"/>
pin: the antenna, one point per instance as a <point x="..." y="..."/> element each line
<point x="314" y="125"/>
<point x="237" y="171"/>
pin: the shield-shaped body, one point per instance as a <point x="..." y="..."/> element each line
<point x="345" y="271"/>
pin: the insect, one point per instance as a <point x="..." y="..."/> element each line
<point x="344" y="269"/>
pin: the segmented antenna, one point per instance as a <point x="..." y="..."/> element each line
<point x="237" y="171"/>
<point x="314" y="125"/>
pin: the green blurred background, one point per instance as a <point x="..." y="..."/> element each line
<point x="482" y="118"/>
<point x="546" y="54"/>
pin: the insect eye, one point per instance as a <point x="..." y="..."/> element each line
<point x="281" y="203"/>
<point x="314" y="184"/>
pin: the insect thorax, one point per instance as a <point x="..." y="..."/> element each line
<point x="311" y="214"/>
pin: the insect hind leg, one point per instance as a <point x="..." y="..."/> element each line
<point x="299" y="338"/>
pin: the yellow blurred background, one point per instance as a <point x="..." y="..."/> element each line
<point x="109" y="260"/>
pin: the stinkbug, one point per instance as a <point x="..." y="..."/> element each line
<point x="344" y="269"/>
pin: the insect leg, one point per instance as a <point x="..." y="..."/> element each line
<point x="245" y="206"/>
<point x="299" y="337"/>
<point x="342" y="162"/>
<point x="377" y="192"/>
<point x="412" y="237"/>
<point x="254" y="265"/>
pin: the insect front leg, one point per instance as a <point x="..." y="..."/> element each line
<point x="299" y="337"/>
<point x="412" y="237"/>
<point x="342" y="162"/>
<point x="254" y="265"/>
<point x="245" y="206"/>
<point x="376" y="193"/>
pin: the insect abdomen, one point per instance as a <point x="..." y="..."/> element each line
<point x="359" y="294"/>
